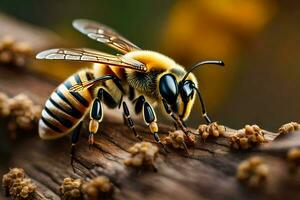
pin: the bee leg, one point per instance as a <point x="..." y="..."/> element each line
<point x="204" y="113"/>
<point x="130" y="122"/>
<point x="178" y="121"/>
<point x="150" y="120"/>
<point x="175" y="126"/>
<point x="124" y="120"/>
<point x="74" y="140"/>
<point x="96" y="115"/>
<point x="124" y="117"/>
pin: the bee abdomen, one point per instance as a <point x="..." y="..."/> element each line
<point x="64" y="109"/>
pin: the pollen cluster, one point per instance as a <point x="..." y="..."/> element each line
<point x="253" y="172"/>
<point x="178" y="139"/>
<point x="71" y="189"/>
<point x="97" y="188"/>
<point x="212" y="129"/>
<point x="142" y="154"/>
<point x="17" y="185"/>
<point x="247" y="137"/>
<point x="289" y="127"/>
<point x="13" y="52"/>
<point x="20" y="111"/>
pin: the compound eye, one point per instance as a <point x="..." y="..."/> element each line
<point x="168" y="88"/>
<point x="187" y="90"/>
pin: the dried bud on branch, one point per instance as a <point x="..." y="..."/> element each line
<point x="20" y="111"/>
<point x="178" y="139"/>
<point x="13" y="52"/>
<point x="97" y="188"/>
<point x="247" y="137"/>
<point x="212" y="129"/>
<point x="252" y="171"/>
<point x="17" y="186"/>
<point x="14" y="173"/>
<point x="71" y="189"/>
<point x="289" y="127"/>
<point x="142" y="154"/>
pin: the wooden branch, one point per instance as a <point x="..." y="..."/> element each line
<point x="208" y="171"/>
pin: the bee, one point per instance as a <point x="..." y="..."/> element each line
<point x="146" y="77"/>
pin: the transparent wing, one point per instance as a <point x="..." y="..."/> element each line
<point x="89" y="55"/>
<point x="104" y="34"/>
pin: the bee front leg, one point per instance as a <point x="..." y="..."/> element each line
<point x="150" y="120"/>
<point x="96" y="116"/>
<point x="178" y="121"/>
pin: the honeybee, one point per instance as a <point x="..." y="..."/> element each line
<point x="148" y="78"/>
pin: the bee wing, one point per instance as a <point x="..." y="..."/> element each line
<point x="104" y="34"/>
<point x="89" y="55"/>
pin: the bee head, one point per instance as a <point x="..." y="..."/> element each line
<point x="180" y="96"/>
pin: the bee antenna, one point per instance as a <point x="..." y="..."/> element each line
<point x="211" y="62"/>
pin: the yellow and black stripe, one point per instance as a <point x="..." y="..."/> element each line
<point x="64" y="109"/>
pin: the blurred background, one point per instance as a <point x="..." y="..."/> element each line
<point x="257" y="39"/>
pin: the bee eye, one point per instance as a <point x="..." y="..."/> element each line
<point x="187" y="90"/>
<point x="168" y="88"/>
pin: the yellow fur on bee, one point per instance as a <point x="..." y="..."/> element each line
<point x="152" y="59"/>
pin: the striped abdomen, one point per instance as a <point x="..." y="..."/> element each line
<point x="64" y="109"/>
